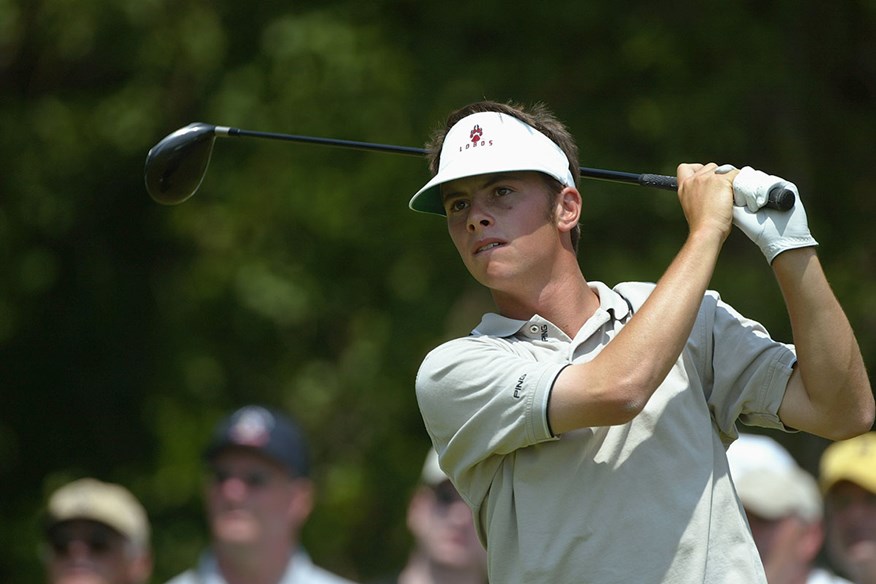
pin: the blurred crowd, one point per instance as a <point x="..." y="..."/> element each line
<point x="258" y="495"/>
<point x="810" y="530"/>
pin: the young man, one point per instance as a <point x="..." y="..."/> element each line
<point x="848" y="480"/>
<point x="586" y="426"/>
<point x="258" y="498"/>
<point x="96" y="533"/>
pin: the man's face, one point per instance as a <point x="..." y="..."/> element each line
<point x="501" y="225"/>
<point x="444" y="529"/>
<point x="251" y="500"/>
<point x="766" y="531"/>
<point x="87" y="552"/>
<point x="851" y="527"/>
<point x="786" y="541"/>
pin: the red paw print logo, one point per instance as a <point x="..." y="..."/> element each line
<point x="476" y="134"/>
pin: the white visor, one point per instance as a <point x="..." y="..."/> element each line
<point x="486" y="143"/>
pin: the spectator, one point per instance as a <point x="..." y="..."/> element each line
<point x="848" y="481"/>
<point x="96" y="533"/>
<point x="258" y="498"/>
<point x="784" y="510"/>
<point x="446" y="547"/>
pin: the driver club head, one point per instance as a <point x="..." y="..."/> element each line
<point x="176" y="165"/>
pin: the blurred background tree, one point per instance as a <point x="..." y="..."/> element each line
<point x="298" y="278"/>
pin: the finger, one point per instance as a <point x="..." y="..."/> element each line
<point x="686" y="170"/>
<point x="708" y="167"/>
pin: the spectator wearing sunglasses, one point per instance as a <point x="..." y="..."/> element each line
<point x="96" y="533"/>
<point x="847" y="477"/>
<point x="446" y="549"/>
<point x="258" y="496"/>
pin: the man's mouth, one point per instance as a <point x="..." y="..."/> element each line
<point x="487" y="247"/>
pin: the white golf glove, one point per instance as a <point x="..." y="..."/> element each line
<point x="772" y="230"/>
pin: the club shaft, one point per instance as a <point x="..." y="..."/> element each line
<point x="778" y="198"/>
<point x="351" y="144"/>
<point x="653" y="180"/>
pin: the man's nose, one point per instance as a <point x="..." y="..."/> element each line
<point x="478" y="215"/>
<point x="78" y="549"/>
<point x="234" y="488"/>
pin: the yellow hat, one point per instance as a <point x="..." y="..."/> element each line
<point x="106" y="503"/>
<point x="850" y="460"/>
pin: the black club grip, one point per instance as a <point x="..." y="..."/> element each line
<point x="779" y="198"/>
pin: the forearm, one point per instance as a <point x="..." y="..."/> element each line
<point x="617" y="384"/>
<point x="658" y="333"/>
<point x="834" y="399"/>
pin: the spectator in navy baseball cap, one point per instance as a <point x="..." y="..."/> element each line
<point x="258" y="497"/>
<point x="264" y="431"/>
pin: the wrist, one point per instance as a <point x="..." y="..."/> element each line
<point x="799" y="249"/>
<point x="708" y="236"/>
<point x="793" y="260"/>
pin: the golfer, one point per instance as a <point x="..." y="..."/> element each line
<point x="586" y="425"/>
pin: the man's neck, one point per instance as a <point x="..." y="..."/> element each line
<point x="253" y="565"/>
<point x="422" y="571"/>
<point x="566" y="301"/>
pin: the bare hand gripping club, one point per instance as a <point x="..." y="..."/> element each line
<point x="176" y="166"/>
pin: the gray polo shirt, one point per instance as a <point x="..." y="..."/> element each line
<point x="647" y="501"/>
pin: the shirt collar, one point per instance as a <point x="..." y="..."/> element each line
<point x="497" y="325"/>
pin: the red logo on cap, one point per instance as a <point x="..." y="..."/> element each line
<point x="476" y="137"/>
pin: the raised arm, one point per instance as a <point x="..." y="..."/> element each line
<point x="829" y="392"/>
<point x="615" y="386"/>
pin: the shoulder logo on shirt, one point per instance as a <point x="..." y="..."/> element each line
<point x="518" y="389"/>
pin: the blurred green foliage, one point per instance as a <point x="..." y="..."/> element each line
<point x="297" y="277"/>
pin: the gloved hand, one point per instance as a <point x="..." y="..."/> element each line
<point x="773" y="231"/>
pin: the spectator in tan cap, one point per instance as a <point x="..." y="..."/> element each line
<point x="848" y="481"/>
<point x="446" y="547"/>
<point x="258" y="496"/>
<point x="96" y="533"/>
<point x="784" y="510"/>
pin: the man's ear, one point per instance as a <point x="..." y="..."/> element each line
<point x="420" y="509"/>
<point x="302" y="503"/>
<point x="568" y="209"/>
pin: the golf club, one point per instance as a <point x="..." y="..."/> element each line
<point x="176" y="166"/>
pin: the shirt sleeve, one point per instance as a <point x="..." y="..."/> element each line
<point x="481" y="400"/>
<point x="748" y="370"/>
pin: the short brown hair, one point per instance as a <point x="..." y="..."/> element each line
<point x="538" y="116"/>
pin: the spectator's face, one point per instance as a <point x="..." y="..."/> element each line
<point x="442" y="524"/>
<point x="787" y="539"/>
<point x="86" y="552"/>
<point x="252" y="500"/>
<point x="851" y="535"/>
<point x="765" y="532"/>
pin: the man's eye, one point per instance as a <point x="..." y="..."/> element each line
<point x="502" y="191"/>
<point x="456" y="205"/>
